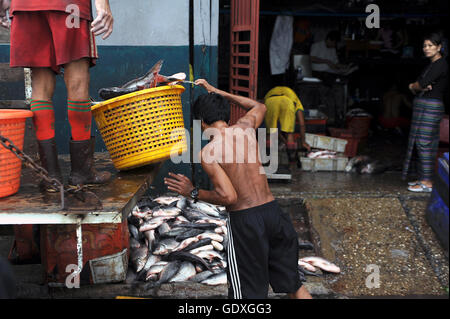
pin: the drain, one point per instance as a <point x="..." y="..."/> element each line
<point x="307" y="237"/>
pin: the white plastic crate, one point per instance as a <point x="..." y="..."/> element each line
<point x="326" y="143"/>
<point x="324" y="164"/>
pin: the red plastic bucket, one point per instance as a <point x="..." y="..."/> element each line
<point x="12" y="126"/>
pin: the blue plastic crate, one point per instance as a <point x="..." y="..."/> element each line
<point x="438" y="217"/>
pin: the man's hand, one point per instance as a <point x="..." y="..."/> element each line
<point x="206" y="85"/>
<point x="104" y="22"/>
<point x="4" y="6"/>
<point x="179" y="184"/>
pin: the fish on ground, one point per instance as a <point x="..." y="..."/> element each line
<point x="322" y="264"/>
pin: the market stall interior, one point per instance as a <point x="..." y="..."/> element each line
<point x="352" y="211"/>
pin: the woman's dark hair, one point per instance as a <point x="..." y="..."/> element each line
<point x="435" y="38"/>
<point x="211" y="108"/>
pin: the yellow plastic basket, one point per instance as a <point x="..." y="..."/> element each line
<point x="142" y="128"/>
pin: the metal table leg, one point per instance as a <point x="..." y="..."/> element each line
<point x="79" y="249"/>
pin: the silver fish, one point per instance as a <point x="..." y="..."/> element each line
<point x="186" y="271"/>
<point x="188" y="234"/>
<point x="217" y="246"/>
<point x="182" y="203"/>
<point x="152" y="259"/>
<point x="134" y="231"/>
<point x="186" y="243"/>
<point x="174" y="232"/>
<point x="202" y="276"/>
<point x="218" y="222"/>
<point x="153" y="223"/>
<point x="197" y="243"/>
<point x="164" y="228"/>
<point x="134" y="244"/>
<point x="173" y="211"/>
<point x="181" y="220"/>
<point x="145" y="80"/>
<point x="193" y="215"/>
<point x="322" y="264"/>
<point x="154" y="271"/>
<point x="202" y="248"/>
<point x="206" y="208"/>
<point x="209" y="255"/>
<point x="212" y="236"/>
<point x="166" y="200"/>
<point x="306" y="266"/>
<point x="219" y="230"/>
<point x="214" y="280"/>
<point x="139" y="258"/>
<point x="150" y="236"/>
<point x="165" y="246"/>
<point x="169" y="271"/>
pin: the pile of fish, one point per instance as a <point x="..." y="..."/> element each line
<point x="322" y="154"/>
<point x="150" y="80"/>
<point x="173" y="239"/>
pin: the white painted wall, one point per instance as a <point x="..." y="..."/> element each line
<point x="206" y="22"/>
<point x="149" y="23"/>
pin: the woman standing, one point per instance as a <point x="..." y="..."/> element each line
<point x="427" y="114"/>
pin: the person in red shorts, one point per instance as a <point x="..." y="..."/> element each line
<point x="47" y="35"/>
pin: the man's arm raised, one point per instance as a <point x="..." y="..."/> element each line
<point x="255" y="110"/>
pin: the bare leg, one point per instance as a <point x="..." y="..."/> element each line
<point x="77" y="78"/>
<point x="302" y="293"/>
<point x="43" y="84"/>
<point x="290" y="138"/>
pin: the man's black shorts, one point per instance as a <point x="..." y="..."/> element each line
<point x="262" y="250"/>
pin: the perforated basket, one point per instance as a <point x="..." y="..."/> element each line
<point x="12" y="127"/>
<point x="142" y="128"/>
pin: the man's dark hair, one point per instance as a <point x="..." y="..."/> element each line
<point x="334" y="36"/>
<point x="211" y="108"/>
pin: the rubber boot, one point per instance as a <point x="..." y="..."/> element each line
<point x="82" y="164"/>
<point x="49" y="161"/>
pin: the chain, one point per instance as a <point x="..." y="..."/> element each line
<point x="55" y="184"/>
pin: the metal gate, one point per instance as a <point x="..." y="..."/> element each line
<point x="244" y="52"/>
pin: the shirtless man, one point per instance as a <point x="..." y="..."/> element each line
<point x="263" y="244"/>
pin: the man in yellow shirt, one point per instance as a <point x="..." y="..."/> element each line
<point x="284" y="107"/>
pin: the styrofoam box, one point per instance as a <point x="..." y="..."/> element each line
<point x="326" y="143"/>
<point x="324" y="164"/>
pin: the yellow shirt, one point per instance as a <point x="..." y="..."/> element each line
<point x="289" y="93"/>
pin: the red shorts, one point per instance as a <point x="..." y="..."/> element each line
<point x="41" y="39"/>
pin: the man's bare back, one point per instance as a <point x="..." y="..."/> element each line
<point x="239" y="158"/>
